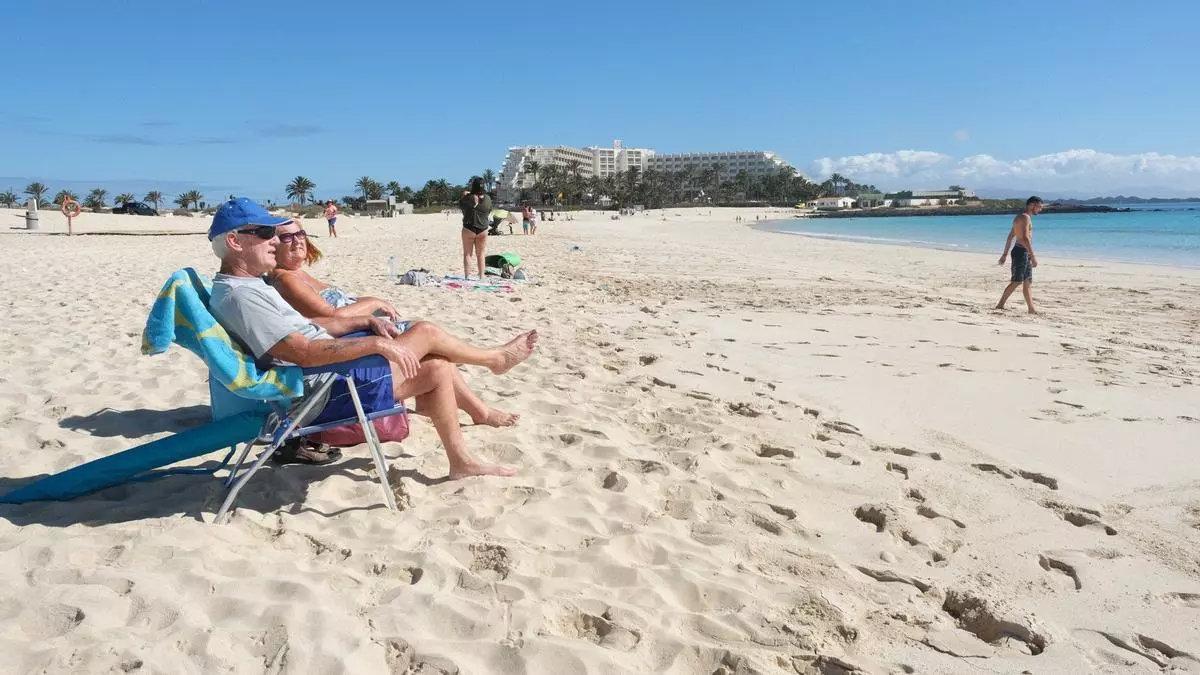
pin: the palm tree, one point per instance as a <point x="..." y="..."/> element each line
<point x="123" y="197"/>
<point x="717" y="168"/>
<point x="444" y="191"/>
<point x="533" y="167"/>
<point x="402" y="192"/>
<point x="189" y="198"/>
<point x="369" y="187"/>
<point x="154" y="197"/>
<point x="36" y="190"/>
<point x="300" y="189"/>
<point x="489" y="179"/>
<point x="195" y="197"/>
<point x="95" y="199"/>
<point x="8" y="198"/>
<point x="64" y="195"/>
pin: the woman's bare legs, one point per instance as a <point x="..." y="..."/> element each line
<point x="433" y="387"/>
<point x="468" y="244"/>
<point x="480" y="245"/>
<point x="470" y="403"/>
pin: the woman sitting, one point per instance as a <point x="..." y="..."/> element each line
<point x="314" y="298"/>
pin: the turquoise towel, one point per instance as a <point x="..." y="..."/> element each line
<point x="180" y="315"/>
<point x="137" y="463"/>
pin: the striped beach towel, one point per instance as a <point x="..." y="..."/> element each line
<point x="180" y="315"/>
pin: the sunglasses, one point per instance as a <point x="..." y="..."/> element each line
<point x="260" y="231"/>
<point x="287" y="238"/>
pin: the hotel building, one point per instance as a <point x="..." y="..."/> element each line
<point x="515" y="175"/>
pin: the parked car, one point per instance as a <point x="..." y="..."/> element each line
<point x="135" y="209"/>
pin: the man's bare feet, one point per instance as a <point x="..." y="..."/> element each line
<point x="999" y="307"/>
<point x="517" y="350"/>
<point x="497" y="418"/>
<point x="480" y="469"/>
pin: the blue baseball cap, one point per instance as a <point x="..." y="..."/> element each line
<point x="236" y="214"/>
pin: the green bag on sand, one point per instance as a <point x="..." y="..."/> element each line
<point x="502" y="259"/>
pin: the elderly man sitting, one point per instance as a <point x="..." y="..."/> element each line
<point x="421" y="359"/>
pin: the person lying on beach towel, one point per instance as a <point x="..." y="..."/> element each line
<point x="315" y="299"/>
<point x="421" y="358"/>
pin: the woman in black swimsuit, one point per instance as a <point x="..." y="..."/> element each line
<point x="476" y="208"/>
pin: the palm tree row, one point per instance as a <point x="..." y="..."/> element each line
<point x="96" y="198"/>
<point x="655" y="189"/>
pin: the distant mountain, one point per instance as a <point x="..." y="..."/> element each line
<point x="1121" y="199"/>
<point x="1075" y="198"/>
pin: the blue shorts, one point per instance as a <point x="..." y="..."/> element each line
<point x="374" y="386"/>
<point x="332" y="221"/>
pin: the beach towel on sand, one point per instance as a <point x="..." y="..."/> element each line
<point x="180" y="315"/>
<point x="485" y="285"/>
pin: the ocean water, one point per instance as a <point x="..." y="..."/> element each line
<point x="1161" y="234"/>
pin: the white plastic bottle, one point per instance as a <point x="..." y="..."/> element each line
<point x="393" y="274"/>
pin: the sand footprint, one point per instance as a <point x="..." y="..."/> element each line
<point x="906" y="452"/>
<point x="977" y="617"/>
<point x="1055" y="562"/>
<point x="1079" y="516"/>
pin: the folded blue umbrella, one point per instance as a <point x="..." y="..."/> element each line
<point x="141" y="462"/>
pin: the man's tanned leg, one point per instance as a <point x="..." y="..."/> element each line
<point x="1027" y="291"/>
<point x="1012" y="286"/>
<point x="433" y="388"/>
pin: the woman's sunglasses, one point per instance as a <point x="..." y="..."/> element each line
<point x="288" y="238"/>
<point x="260" y="231"/>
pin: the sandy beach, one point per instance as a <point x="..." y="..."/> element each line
<point x="740" y="452"/>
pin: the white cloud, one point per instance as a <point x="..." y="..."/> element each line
<point x="1083" y="170"/>
<point x="962" y="135"/>
<point x="899" y="163"/>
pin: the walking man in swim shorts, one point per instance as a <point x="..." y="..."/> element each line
<point x="1023" y="259"/>
<point x="331" y="214"/>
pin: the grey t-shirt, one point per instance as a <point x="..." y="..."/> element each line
<point x="257" y="315"/>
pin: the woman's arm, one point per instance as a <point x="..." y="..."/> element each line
<point x="309" y="303"/>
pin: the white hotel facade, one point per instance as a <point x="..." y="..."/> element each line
<point x="515" y="175"/>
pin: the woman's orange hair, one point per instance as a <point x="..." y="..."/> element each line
<point x="312" y="253"/>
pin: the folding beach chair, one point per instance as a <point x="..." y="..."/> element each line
<point x="288" y="420"/>
<point x="251" y="406"/>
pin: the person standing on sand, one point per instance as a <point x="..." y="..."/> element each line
<point x="476" y="208"/>
<point x="1023" y="259"/>
<point x="331" y="214"/>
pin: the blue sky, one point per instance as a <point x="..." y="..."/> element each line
<point x="1063" y="97"/>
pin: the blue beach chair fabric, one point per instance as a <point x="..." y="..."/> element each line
<point x="250" y="406"/>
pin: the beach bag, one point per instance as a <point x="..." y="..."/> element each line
<point x="507" y="263"/>
<point x="389" y="430"/>
<point x="421" y="277"/>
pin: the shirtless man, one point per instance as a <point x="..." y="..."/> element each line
<point x="1023" y="259"/>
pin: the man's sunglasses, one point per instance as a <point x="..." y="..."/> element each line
<point x="260" y="231"/>
<point x="287" y="238"/>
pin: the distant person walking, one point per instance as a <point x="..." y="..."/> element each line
<point x="1023" y="259"/>
<point x="331" y="214"/>
<point x="476" y="208"/>
<point x="526" y="216"/>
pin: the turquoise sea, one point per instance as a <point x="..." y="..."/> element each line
<point x="1162" y="234"/>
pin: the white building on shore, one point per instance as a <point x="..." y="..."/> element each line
<point x="516" y="174"/>
<point x="831" y="203"/>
